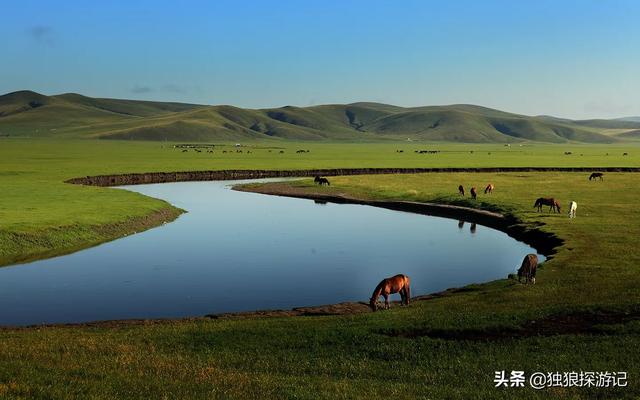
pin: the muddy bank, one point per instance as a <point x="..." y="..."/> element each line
<point x="544" y="242"/>
<point x="345" y="308"/>
<point x="236" y="174"/>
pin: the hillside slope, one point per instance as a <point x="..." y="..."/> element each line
<point x="27" y="113"/>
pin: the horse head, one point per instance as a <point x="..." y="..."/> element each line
<point x="373" y="303"/>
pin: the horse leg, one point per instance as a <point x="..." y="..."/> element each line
<point x="386" y="301"/>
<point x="407" y="294"/>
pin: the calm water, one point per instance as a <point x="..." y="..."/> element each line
<point x="238" y="251"/>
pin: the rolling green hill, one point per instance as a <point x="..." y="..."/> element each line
<point x="71" y="115"/>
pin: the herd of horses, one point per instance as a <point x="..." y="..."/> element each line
<point x="474" y="193"/>
<point x="554" y="205"/>
<point x="401" y="283"/>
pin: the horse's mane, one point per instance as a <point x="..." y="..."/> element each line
<point x="378" y="289"/>
<point x="529" y="262"/>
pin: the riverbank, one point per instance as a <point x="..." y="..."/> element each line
<point x="227" y="175"/>
<point x="22" y="247"/>
<point x="544" y="242"/>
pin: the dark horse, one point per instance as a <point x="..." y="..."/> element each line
<point x="474" y="193"/>
<point x="551" y="202"/>
<point x="321" y="181"/>
<point x="596" y="175"/>
<point x="461" y="190"/>
<point x="528" y="268"/>
<point x="395" y="284"/>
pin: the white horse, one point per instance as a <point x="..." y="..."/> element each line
<point x="573" y="206"/>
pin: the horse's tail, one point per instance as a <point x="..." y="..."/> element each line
<point x="407" y="289"/>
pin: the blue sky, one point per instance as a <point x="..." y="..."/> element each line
<point x="576" y="59"/>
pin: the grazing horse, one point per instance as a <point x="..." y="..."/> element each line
<point x="551" y="202"/>
<point x="395" y="284"/>
<point x="489" y="188"/>
<point x="474" y="193"/>
<point x="321" y="181"/>
<point x="596" y="175"/>
<point x="461" y="190"/>
<point x="573" y="206"/>
<point x="528" y="268"/>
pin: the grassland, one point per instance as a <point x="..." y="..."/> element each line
<point x="414" y="352"/>
<point x="40" y="215"/>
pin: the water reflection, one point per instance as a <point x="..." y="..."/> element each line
<point x="472" y="227"/>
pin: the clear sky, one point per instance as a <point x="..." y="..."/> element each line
<point x="576" y="59"/>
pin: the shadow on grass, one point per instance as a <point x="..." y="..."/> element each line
<point x="576" y="323"/>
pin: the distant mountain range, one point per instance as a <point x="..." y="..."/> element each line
<point x="26" y="113"/>
<point x="630" y="119"/>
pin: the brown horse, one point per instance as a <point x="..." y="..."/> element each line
<point x="528" y="268"/>
<point x="395" y="284"/>
<point x="489" y="188"/>
<point x="551" y="202"/>
<point x="474" y="193"/>
<point x="461" y="190"/>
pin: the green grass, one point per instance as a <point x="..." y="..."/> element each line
<point x="40" y="215"/>
<point x="336" y="357"/>
<point x="71" y="115"/>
